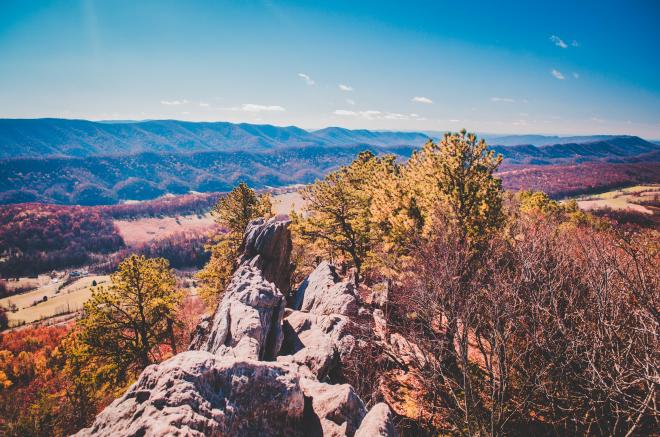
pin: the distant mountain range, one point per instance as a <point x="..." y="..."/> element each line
<point x="83" y="162"/>
<point x="39" y="138"/>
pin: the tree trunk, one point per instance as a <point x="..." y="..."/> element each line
<point x="170" y="333"/>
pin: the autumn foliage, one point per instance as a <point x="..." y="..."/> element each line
<point x="36" y="238"/>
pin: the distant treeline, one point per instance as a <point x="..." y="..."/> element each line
<point x="560" y="181"/>
<point x="200" y="203"/>
<point x="109" y="180"/>
<point x="183" y="250"/>
<point x="37" y="238"/>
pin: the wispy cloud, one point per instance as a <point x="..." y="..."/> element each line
<point x="377" y="115"/>
<point x="251" y="107"/>
<point x="575" y="44"/>
<point x="345" y="87"/>
<point x="558" y="41"/>
<point x="173" y="102"/>
<point x="204" y="104"/>
<point x="308" y="80"/>
<point x="420" y="99"/>
<point x="502" y="99"/>
<point x="557" y="74"/>
<point x="369" y="114"/>
<point x="576" y="75"/>
<point x="350" y="101"/>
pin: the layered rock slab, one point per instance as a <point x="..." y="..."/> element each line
<point x="248" y="321"/>
<point x="197" y="393"/>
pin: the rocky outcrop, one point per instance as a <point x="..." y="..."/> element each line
<point x="323" y="293"/>
<point x="267" y="247"/>
<point x="248" y="321"/>
<point x="254" y="368"/>
<point x="197" y="393"/>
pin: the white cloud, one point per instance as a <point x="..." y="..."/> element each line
<point x="185" y="112"/>
<point x="395" y="116"/>
<point x="558" y="41"/>
<point x="597" y="120"/>
<point x="251" y="107"/>
<point x="377" y="115"/>
<point x="502" y="99"/>
<point x="204" y="104"/>
<point x="350" y="101"/>
<point x="308" y="80"/>
<point x="557" y="74"/>
<point x="576" y="75"/>
<point x="173" y="102"/>
<point x="420" y="99"/>
<point x="345" y="87"/>
<point x="453" y="120"/>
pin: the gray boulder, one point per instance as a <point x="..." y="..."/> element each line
<point x="315" y="342"/>
<point x="267" y="246"/>
<point x="322" y="293"/>
<point x="377" y="422"/>
<point x="336" y="409"/>
<point x="248" y="322"/>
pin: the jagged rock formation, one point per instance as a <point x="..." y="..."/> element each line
<point x="256" y="368"/>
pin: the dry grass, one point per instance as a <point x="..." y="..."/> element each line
<point x="282" y="203"/>
<point x="143" y="230"/>
<point x="626" y="198"/>
<point x="27" y="283"/>
<point x="68" y="299"/>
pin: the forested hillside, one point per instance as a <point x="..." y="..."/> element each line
<point x="100" y="180"/>
<point x="60" y="137"/>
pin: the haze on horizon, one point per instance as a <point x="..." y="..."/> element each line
<point x="513" y="67"/>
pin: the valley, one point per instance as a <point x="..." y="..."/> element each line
<point x="59" y="296"/>
<point x="640" y="198"/>
<point x="329" y="219"/>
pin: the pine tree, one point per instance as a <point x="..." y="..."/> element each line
<point x="127" y="321"/>
<point x="457" y="177"/>
<point x="338" y="209"/>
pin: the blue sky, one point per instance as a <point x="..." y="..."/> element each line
<point x="573" y="67"/>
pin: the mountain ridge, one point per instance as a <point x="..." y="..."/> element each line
<point x="55" y="137"/>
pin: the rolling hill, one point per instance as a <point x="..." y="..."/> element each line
<point x="92" y="163"/>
